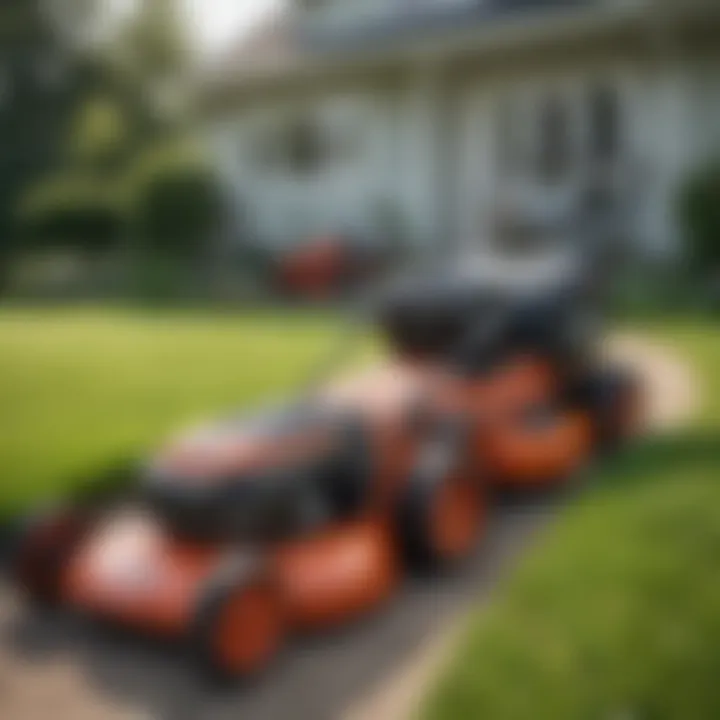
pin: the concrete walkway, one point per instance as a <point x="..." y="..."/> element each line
<point x="59" y="664"/>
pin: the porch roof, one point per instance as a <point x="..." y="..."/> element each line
<point x="279" y="53"/>
<point x="427" y="21"/>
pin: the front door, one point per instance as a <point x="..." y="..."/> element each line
<point x="539" y="153"/>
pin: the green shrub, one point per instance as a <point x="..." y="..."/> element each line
<point x="616" y="616"/>
<point x="161" y="278"/>
<point x="643" y="291"/>
<point x="175" y="202"/>
<point x="700" y="216"/>
<point x="71" y="212"/>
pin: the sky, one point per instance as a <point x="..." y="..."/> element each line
<point x="215" y="23"/>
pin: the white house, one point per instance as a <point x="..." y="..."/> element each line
<point x="433" y="117"/>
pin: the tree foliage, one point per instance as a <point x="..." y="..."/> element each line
<point x="152" y="52"/>
<point x="90" y="157"/>
<point x="98" y="136"/>
<point x="72" y="212"/>
<point x="33" y="110"/>
<point x="700" y="213"/>
<point x="175" y="200"/>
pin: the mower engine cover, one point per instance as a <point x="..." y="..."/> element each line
<point x="429" y="315"/>
<point x="257" y="478"/>
<point x="540" y="302"/>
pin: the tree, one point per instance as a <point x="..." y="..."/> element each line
<point x="75" y="23"/>
<point x="77" y="113"/>
<point x="99" y="137"/>
<point x="153" y="52"/>
<point x="34" y="104"/>
<point x="77" y="204"/>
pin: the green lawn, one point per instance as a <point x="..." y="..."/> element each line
<point x="82" y="391"/>
<point x="616" y="613"/>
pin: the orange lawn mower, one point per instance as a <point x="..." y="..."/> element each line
<point x="326" y="267"/>
<point x="302" y="518"/>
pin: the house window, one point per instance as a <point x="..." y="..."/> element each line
<point x="263" y="150"/>
<point x="509" y="138"/>
<point x="295" y="146"/>
<point x="604" y="125"/>
<point x="303" y="147"/>
<point x="553" y="149"/>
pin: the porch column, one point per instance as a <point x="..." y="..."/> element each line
<point x="422" y="167"/>
<point x="671" y="139"/>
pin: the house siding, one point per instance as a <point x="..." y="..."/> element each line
<point x="285" y="207"/>
<point x="426" y="142"/>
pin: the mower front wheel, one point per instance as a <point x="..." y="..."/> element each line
<point x="239" y="626"/>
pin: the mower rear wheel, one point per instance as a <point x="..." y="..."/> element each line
<point x="239" y="626"/>
<point x="43" y="547"/>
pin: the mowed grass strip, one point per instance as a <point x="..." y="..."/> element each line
<point x="616" y="614"/>
<point x="81" y="390"/>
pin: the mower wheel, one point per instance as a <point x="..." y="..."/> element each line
<point x="442" y="515"/>
<point x="614" y="399"/>
<point x="239" y="625"/>
<point x="43" y="546"/>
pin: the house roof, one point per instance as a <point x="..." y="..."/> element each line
<point x="434" y="19"/>
<point x="279" y="50"/>
<point x="277" y="47"/>
<point x="271" y="49"/>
